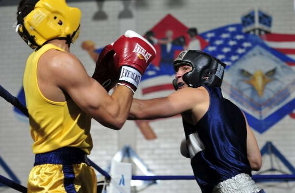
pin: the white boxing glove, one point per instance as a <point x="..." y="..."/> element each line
<point x="194" y="144"/>
<point x="183" y="149"/>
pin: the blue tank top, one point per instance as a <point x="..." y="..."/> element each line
<point x="223" y="133"/>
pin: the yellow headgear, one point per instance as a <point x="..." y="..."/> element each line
<point x="50" y="19"/>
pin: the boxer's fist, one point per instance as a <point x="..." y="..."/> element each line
<point x="107" y="70"/>
<point x="134" y="54"/>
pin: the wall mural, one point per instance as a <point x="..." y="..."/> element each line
<point x="259" y="77"/>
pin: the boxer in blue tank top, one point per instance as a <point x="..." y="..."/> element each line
<point x="222" y="147"/>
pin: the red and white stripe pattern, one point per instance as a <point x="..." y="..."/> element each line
<point x="284" y="43"/>
<point x="157" y="87"/>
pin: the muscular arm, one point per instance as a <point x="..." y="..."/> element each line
<point x="253" y="151"/>
<point x="69" y="75"/>
<point x="180" y="101"/>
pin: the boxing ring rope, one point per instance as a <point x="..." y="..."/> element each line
<point x="101" y="171"/>
<point x="256" y="178"/>
<point x="13" y="100"/>
<point x="10" y="183"/>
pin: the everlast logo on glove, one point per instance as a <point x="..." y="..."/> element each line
<point x="130" y="75"/>
<point x="134" y="54"/>
<point x="141" y="51"/>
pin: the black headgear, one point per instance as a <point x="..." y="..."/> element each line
<point x="206" y="70"/>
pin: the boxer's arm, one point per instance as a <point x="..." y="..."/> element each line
<point x="110" y="110"/>
<point x="178" y="102"/>
<point x="253" y="151"/>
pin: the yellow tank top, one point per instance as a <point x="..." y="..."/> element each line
<point x="53" y="124"/>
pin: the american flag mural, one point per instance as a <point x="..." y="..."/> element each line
<point x="284" y="43"/>
<point x="269" y="55"/>
<point x="270" y="58"/>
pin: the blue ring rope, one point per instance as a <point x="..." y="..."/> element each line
<point x="257" y="178"/>
<point x="14" y="101"/>
<point x="101" y="171"/>
<point x="12" y="184"/>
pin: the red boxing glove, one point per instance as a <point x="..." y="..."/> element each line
<point x="134" y="54"/>
<point x="107" y="70"/>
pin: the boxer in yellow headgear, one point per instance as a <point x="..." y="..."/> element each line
<point x="62" y="98"/>
<point x="60" y="130"/>
<point x="44" y="20"/>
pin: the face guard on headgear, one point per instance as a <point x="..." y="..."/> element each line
<point x="206" y="70"/>
<point x="49" y="19"/>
